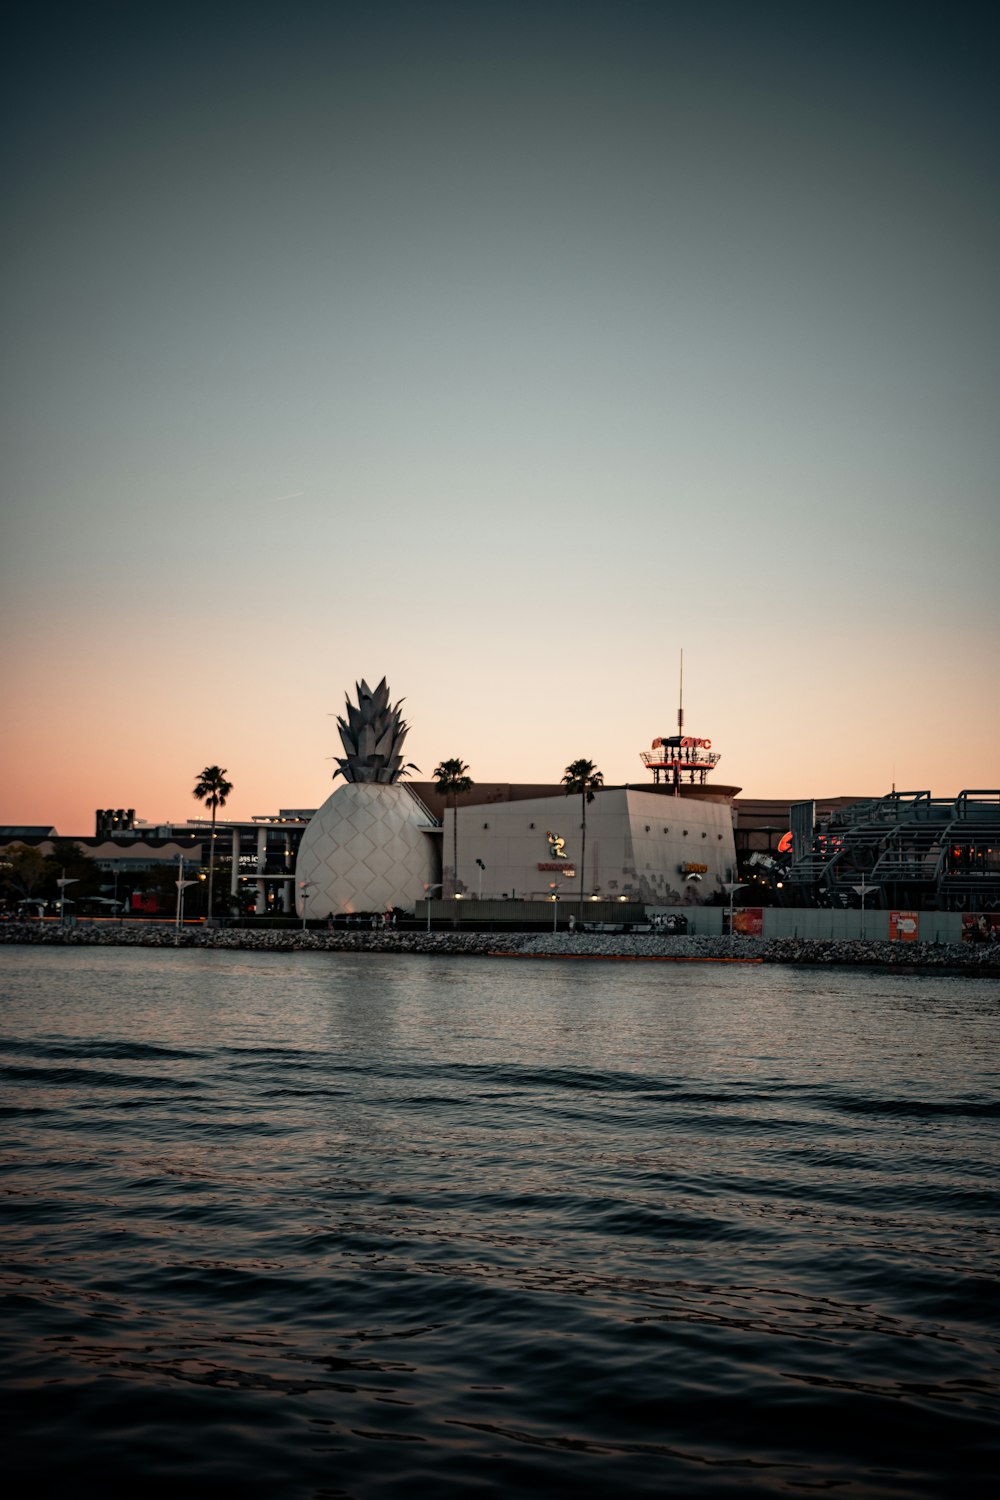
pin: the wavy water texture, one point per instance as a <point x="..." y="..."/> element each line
<point x="339" y="1225"/>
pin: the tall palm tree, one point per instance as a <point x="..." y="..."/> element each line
<point x="582" y="776"/>
<point x="452" y="779"/>
<point x="213" y="788"/>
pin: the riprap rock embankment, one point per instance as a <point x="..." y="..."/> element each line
<point x="981" y="957"/>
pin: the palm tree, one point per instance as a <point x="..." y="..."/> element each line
<point x="452" y="781"/>
<point x="582" y="776"/>
<point x="213" y="788"/>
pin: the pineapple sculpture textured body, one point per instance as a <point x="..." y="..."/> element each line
<point x="367" y="849"/>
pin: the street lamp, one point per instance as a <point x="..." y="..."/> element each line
<point x="554" y="898"/>
<point x="427" y="899"/>
<point x="482" y="867"/>
<point x="864" y="890"/>
<point x="180" y="883"/>
<point x="62" y="884"/>
<point x="305" y="888"/>
<point x="732" y="886"/>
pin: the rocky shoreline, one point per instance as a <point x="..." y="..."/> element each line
<point x="982" y="958"/>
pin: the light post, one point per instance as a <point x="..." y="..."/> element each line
<point x="181" y="884"/>
<point x="437" y="886"/>
<point x="732" y="886"/>
<point x="62" y="884"/>
<point x="554" y="898"/>
<point x="863" y="890"/>
<point x="482" y="867"/>
<point x="211" y="871"/>
<point x="304" y="888"/>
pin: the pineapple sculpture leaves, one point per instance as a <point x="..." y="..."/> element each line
<point x="372" y="735"/>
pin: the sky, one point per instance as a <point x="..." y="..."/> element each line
<point x="505" y="350"/>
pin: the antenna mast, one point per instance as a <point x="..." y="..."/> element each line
<point x="679" y="755"/>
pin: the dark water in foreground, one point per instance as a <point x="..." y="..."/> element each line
<point x="344" y="1225"/>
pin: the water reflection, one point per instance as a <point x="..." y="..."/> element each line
<point x="721" y="1231"/>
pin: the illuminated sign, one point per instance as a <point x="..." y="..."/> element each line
<point x="687" y="742"/>
<point x="785" y="843"/>
<point x="694" y="869"/>
<point x="559" y="860"/>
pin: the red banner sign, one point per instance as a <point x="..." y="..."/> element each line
<point x="904" y="926"/>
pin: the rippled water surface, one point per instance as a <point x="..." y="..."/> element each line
<point x="351" y="1225"/>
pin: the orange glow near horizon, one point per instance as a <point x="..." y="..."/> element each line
<point x="143" y="748"/>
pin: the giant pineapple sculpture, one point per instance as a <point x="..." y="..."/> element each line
<point x="367" y="849"/>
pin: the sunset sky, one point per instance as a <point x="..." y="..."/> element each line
<point x="504" y="350"/>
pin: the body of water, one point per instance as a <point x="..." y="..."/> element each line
<point x="316" y="1225"/>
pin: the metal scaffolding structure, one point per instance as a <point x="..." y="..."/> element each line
<point x="910" y="849"/>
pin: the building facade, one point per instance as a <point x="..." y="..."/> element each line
<point x="661" y="850"/>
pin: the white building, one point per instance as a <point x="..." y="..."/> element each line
<point x="662" y="850"/>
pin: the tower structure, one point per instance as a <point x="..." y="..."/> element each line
<point x="680" y="758"/>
